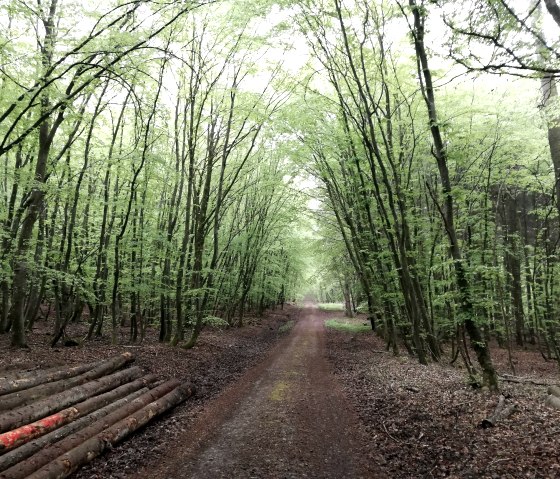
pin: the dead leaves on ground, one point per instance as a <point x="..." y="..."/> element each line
<point x="422" y="421"/>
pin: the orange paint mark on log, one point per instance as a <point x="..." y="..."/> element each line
<point x="11" y="439"/>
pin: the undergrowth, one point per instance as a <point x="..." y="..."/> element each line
<point x="286" y="326"/>
<point x="347" y="325"/>
<point x="331" y="306"/>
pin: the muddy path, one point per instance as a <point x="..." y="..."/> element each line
<point x="285" y="418"/>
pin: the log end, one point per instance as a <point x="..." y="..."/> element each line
<point x="486" y="424"/>
<point x="554" y="391"/>
<point x="129" y="357"/>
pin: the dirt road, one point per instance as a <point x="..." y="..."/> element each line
<point x="285" y="418"/>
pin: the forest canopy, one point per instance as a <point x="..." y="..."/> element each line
<point x="177" y="164"/>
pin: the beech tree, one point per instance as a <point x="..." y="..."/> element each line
<point x="95" y="236"/>
<point x="445" y="256"/>
<point x="439" y="152"/>
<point x="70" y="68"/>
<point x="153" y="159"/>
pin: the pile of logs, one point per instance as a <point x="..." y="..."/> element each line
<point x="54" y="421"/>
<point x="553" y="392"/>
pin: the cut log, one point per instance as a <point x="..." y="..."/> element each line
<point x="553" y="401"/>
<point x="412" y="389"/>
<point x="554" y="390"/>
<point x="29" y="379"/>
<point x="23" y="434"/>
<point x="501" y="412"/>
<point x="51" y="452"/>
<point x="27" y="396"/>
<point x="13" y="374"/>
<point x="515" y="379"/>
<point x="44" y="407"/>
<point x="86" y="452"/>
<point x="34" y="378"/>
<point x="27" y="450"/>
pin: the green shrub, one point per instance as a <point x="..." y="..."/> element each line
<point x="353" y="326"/>
<point x="286" y="326"/>
<point x="331" y="306"/>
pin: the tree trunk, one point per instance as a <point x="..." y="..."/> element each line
<point x="23" y="434"/>
<point x="512" y="262"/>
<point x="501" y="412"/>
<point x="85" y="452"/>
<point x="54" y="451"/>
<point x="27" y="396"/>
<point x="29" y="379"/>
<point x="37" y="194"/>
<point x="26" y="414"/>
<point x="550" y="95"/>
<point x="553" y="401"/>
<point x="347" y="293"/>
<point x="27" y="450"/>
<point x="439" y="150"/>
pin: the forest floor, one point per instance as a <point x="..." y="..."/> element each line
<point x="219" y="358"/>
<point x="285" y="418"/>
<point x="424" y="421"/>
<point x="274" y="402"/>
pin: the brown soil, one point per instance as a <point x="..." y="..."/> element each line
<point x="220" y="358"/>
<point x="423" y="421"/>
<point x="285" y="418"/>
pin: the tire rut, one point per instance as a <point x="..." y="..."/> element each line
<point x="285" y="418"/>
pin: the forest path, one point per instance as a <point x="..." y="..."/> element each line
<point x="285" y="418"/>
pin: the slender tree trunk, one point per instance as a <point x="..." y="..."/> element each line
<point x="550" y="95"/>
<point x="34" y="204"/>
<point x="439" y="150"/>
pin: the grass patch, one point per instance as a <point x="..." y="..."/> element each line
<point x="286" y="326"/>
<point x="331" y="306"/>
<point x="350" y="325"/>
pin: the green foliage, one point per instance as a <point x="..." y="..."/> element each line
<point x="331" y="306"/>
<point x="287" y="326"/>
<point x="253" y="153"/>
<point x="350" y="326"/>
<point x="215" y="321"/>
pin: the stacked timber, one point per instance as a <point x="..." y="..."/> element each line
<point x="54" y="421"/>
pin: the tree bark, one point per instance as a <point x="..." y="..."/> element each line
<point x="37" y="194"/>
<point x="23" y="434"/>
<point x="500" y="413"/>
<point x="554" y="390"/>
<point x="28" y="379"/>
<point x="27" y="450"/>
<point x="440" y="153"/>
<point x="90" y="449"/>
<point x="549" y="97"/>
<point x="26" y="414"/>
<point x="553" y="401"/>
<point x="59" y="450"/>
<point x="27" y="396"/>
